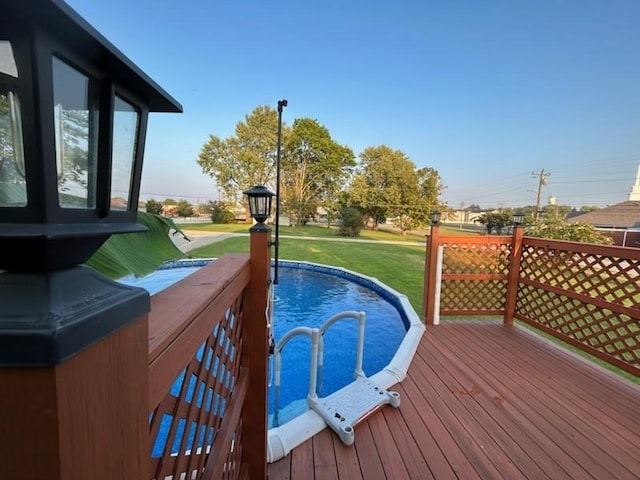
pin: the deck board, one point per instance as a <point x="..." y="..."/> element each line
<point x="482" y="400"/>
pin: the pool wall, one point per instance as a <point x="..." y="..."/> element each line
<point x="281" y="440"/>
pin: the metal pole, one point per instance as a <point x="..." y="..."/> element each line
<point x="281" y="105"/>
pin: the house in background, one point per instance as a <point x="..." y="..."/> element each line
<point x="621" y="221"/>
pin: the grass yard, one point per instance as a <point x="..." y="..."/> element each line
<point x="399" y="266"/>
<point x="383" y="234"/>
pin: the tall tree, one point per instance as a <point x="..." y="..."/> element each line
<point x="315" y="168"/>
<point x="429" y="190"/>
<point x="246" y="159"/>
<point x="375" y="186"/>
<point x="388" y="185"/>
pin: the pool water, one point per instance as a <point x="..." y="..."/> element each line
<point x="308" y="298"/>
<point x="306" y="295"/>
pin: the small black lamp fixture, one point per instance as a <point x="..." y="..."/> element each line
<point x="518" y="218"/>
<point x="73" y="118"/>
<point x="260" y="205"/>
<point x="435" y="217"/>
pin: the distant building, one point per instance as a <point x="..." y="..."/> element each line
<point x="620" y="221"/>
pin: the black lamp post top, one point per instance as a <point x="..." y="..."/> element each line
<point x="518" y="218"/>
<point x="259" y="203"/>
<point x="74" y="116"/>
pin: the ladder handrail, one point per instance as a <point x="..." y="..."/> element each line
<point x="360" y="317"/>
<point x="317" y="352"/>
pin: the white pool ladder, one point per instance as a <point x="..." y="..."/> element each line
<point x="345" y="408"/>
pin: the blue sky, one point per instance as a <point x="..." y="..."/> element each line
<point x="486" y="92"/>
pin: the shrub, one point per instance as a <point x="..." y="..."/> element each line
<point x="351" y="222"/>
<point x="220" y="213"/>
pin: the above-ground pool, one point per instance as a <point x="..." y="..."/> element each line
<point x="307" y="295"/>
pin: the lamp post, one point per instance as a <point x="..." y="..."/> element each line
<point x="514" y="268"/>
<point x="73" y="117"/>
<point x="435" y="217"/>
<point x="518" y="218"/>
<point x="260" y="198"/>
<point x="255" y="334"/>
<point x="431" y="255"/>
<point x="281" y="105"/>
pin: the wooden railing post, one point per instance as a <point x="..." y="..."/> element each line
<point x="73" y="370"/>
<point x="256" y="353"/>
<point x="431" y="256"/>
<point x="514" y="274"/>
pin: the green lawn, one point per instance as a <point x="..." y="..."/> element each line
<point x="399" y="266"/>
<point x="321" y="232"/>
<point x="306" y="231"/>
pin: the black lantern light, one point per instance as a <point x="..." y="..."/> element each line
<point x="73" y="117"/>
<point x="260" y="204"/>
<point x="518" y="218"/>
<point x="435" y="217"/>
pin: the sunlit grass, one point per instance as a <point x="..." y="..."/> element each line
<point x="399" y="266"/>
<point x="382" y="234"/>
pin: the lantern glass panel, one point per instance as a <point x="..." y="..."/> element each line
<point x="75" y="121"/>
<point x="13" y="189"/>
<point x="125" y="132"/>
<point x="260" y="207"/>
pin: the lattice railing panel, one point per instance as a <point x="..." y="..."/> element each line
<point x="484" y="258"/>
<point x="600" y="329"/>
<point x="459" y="296"/>
<point x="185" y="424"/>
<point x="233" y="466"/>
<point x="609" y="278"/>
<point x="474" y="275"/>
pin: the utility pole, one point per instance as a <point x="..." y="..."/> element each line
<point x="542" y="181"/>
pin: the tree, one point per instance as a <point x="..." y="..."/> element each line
<point x="474" y="207"/>
<point x="314" y="167"/>
<point x="387" y="185"/>
<point x="429" y="190"/>
<point x="221" y="212"/>
<point x="560" y="230"/>
<point x="377" y="186"/>
<point x="184" y="209"/>
<point x="556" y="212"/>
<point x="588" y="209"/>
<point x="154" y="207"/>
<point x="351" y="221"/>
<point x="246" y="159"/>
<point x="204" y="208"/>
<point x="495" y="221"/>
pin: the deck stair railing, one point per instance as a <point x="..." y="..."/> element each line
<point x="586" y="295"/>
<point x="345" y="408"/>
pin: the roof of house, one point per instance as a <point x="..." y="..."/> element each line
<point x="621" y="215"/>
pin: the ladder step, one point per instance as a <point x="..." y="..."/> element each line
<point x="344" y="409"/>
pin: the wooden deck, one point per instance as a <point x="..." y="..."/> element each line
<point x="487" y="401"/>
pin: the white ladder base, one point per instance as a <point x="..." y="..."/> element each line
<point x="344" y="409"/>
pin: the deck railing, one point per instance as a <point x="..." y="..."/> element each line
<point x="196" y="378"/>
<point x="206" y="334"/>
<point x="584" y="294"/>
